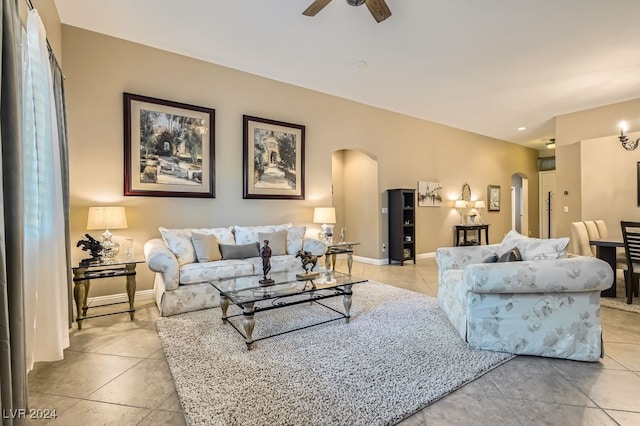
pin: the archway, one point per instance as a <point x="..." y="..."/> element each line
<point x="356" y="198"/>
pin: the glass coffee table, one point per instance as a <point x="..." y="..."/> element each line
<point x="247" y="294"/>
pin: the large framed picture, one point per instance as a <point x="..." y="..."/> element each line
<point x="273" y="159"/>
<point x="169" y="148"/>
<point x="493" y="195"/>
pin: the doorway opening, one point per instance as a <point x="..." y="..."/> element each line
<point x="520" y="203"/>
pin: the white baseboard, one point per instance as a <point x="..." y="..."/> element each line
<point x="385" y="261"/>
<point x="118" y="298"/>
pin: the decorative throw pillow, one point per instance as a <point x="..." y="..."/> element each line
<point x="179" y="242"/>
<point x="206" y="247"/>
<point x="295" y="238"/>
<point x="512" y="255"/>
<point x="540" y="249"/>
<point x="509" y="241"/>
<point x="490" y="259"/>
<point x="277" y="241"/>
<point x="534" y="248"/>
<point x="240" y="251"/>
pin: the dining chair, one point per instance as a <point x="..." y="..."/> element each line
<point x="580" y="239"/>
<point x="592" y="232"/>
<point x="631" y="237"/>
<point x="602" y="229"/>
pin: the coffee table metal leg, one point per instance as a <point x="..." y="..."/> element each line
<point x="248" y="323"/>
<point x="347" y="301"/>
<point x="224" y="305"/>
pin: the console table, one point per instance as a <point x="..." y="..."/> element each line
<point x="464" y="229"/>
<point x="83" y="274"/>
<point x="333" y="249"/>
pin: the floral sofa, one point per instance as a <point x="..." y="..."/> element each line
<point x="185" y="260"/>
<point x="547" y="304"/>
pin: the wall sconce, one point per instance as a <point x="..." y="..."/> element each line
<point x="628" y="144"/>
<point x="551" y="143"/>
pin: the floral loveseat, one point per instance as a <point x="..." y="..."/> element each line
<point x="185" y="260"/>
<point x="548" y="304"/>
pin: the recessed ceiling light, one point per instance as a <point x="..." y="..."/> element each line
<point x="522" y="128"/>
<point x="362" y="64"/>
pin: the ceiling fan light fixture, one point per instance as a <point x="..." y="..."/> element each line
<point x="355" y="2"/>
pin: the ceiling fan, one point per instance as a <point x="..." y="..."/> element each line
<point x="378" y="8"/>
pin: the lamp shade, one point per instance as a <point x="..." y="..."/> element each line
<point x="324" y="215"/>
<point x="479" y="204"/>
<point x="107" y="218"/>
<point x="460" y="204"/>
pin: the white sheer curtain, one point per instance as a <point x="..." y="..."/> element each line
<point x="45" y="274"/>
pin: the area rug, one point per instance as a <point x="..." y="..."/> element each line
<point x="620" y="301"/>
<point x="398" y="354"/>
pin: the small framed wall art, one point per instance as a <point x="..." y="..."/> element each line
<point x="493" y="195"/>
<point x="169" y="148"/>
<point x="429" y="194"/>
<point x="273" y="158"/>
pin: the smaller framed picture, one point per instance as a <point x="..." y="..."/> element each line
<point x="493" y="195"/>
<point x="273" y="159"/>
<point x="429" y="194"/>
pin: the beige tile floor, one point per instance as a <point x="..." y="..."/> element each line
<point x="115" y="373"/>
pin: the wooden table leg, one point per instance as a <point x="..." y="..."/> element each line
<point x="131" y="288"/>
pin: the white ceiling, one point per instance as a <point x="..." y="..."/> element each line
<point x="485" y="66"/>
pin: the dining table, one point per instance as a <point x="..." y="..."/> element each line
<point x="606" y="249"/>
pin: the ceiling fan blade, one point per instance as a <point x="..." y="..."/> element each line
<point x="315" y="7"/>
<point x="378" y="9"/>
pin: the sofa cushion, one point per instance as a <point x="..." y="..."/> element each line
<point x="194" y="273"/>
<point x="224" y="235"/>
<point x="206" y="247"/>
<point x="240" y="251"/>
<point x="179" y="242"/>
<point x="278" y="263"/>
<point x="295" y="238"/>
<point x="277" y="241"/>
<point x="249" y="234"/>
<point x="534" y="248"/>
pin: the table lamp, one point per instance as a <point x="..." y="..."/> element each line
<point x="107" y="218"/>
<point x="327" y="217"/>
<point x="479" y="205"/>
<point x="460" y="204"/>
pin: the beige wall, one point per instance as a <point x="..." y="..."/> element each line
<point x="99" y="69"/>
<point x="594" y="171"/>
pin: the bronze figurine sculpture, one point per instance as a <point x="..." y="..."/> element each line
<point x="265" y="254"/>
<point x="94" y="247"/>
<point x="308" y="263"/>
